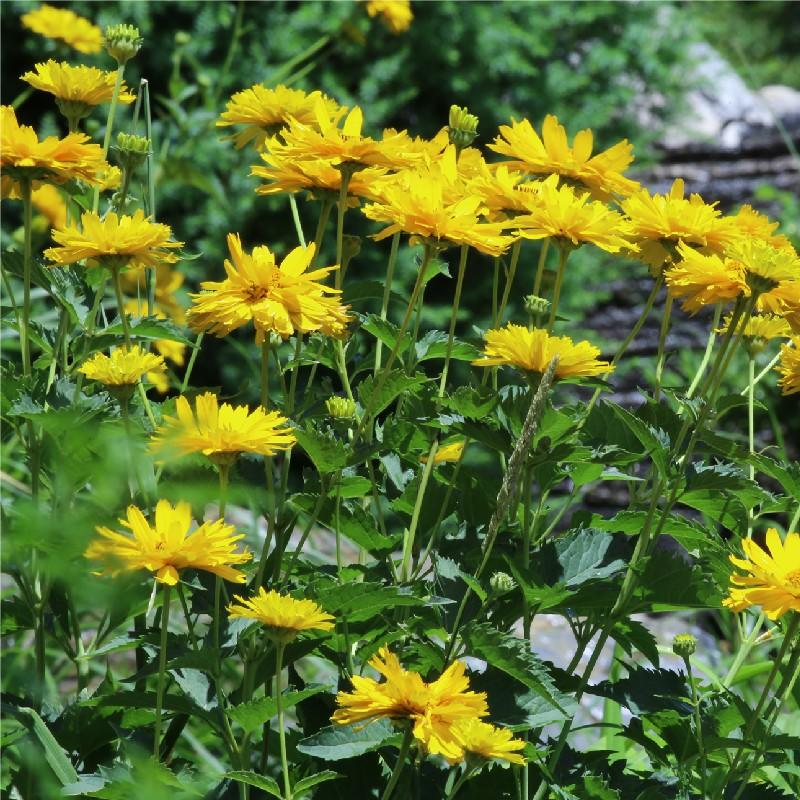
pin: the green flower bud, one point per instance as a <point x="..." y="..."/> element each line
<point x="341" y="407"/>
<point x="132" y="151"/>
<point x="462" y="127"/>
<point x="122" y="42"/>
<point x="536" y="305"/>
<point x="501" y="582"/>
<point x="684" y="645"/>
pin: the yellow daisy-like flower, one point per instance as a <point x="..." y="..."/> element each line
<point x="166" y="547"/>
<point x="761" y="326"/>
<point x="53" y="160"/>
<point x="84" y="85"/>
<point x="783" y="300"/>
<point x="572" y="218"/>
<point x="114" y="241"/>
<point x="659" y="222"/>
<point x="285" y="299"/>
<point x="478" y="738"/>
<point x="751" y="224"/>
<point x="432" y="707"/>
<point x="264" y="111"/>
<point x="504" y="192"/>
<point x="765" y="266"/>
<point x="168" y="282"/>
<point x="124" y="367"/>
<point x="433" y="204"/>
<point x="66" y="25"/>
<point x="447" y="453"/>
<point x="551" y="154"/>
<point x="49" y="202"/>
<point x="533" y="350"/>
<point x="702" y="280"/>
<point x="396" y="15"/>
<point x="773" y="576"/>
<point x="221" y="432"/>
<point x="789" y="367"/>
<point x="282" y="616"/>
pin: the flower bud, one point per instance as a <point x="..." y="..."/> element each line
<point x="341" y="407"/>
<point x="122" y="42"/>
<point x="536" y="305"/>
<point x="132" y="151"/>
<point x="351" y="247"/>
<point x="462" y="127"/>
<point x="501" y="582"/>
<point x="684" y="645"/>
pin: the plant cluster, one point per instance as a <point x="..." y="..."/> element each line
<point x="349" y="604"/>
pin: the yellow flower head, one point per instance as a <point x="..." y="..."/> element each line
<point x="761" y="326"/>
<point x="432" y="707"/>
<point x="167" y="303"/>
<point x="264" y="111"/>
<point x="221" y="433"/>
<point x="533" y="350"/>
<point x="773" y="576"/>
<point x="551" y="154"/>
<point x="433" y="204"/>
<point x="783" y="300"/>
<point x="49" y="202"/>
<point x="124" y="367"/>
<point x="396" y="15"/>
<point x="84" y="85"/>
<point x="114" y="241"/>
<point x="702" y="280"/>
<point x="789" y="367"/>
<point x="165" y="547"/>
<point x="504" y="192"/>
<point x="572" y="218"/>
<point x="748" y="223"/>
<point x="481" y="739"/>
<point x="285" y="299"/>
<point x="283" y="616"/>
<point x="53" y="160"/>
<point x="447" y="453"/>
<point x="659" y="222"/>
<point x="66" y="25"/>
<point x="765" y="266"/>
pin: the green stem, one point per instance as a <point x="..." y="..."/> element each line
<point x="512" y="271"/>
<point x="751" y="383"/>
<point x="341" y="210"/>
<point x="322" y="223"/>
<point x="537" y="282"/>
<point x="462" y="264"/>
<point x="405" y="745"/>
<point x="265" y="348"/>
<point x="109" y="128"/>
<point x="162" y="663"/>
<point x="223" y="471"/>
<point x="121" y="305"/>
<point x="192" y="358"/>
<point x="745" y="646"/>
<point x="296" y="217"/>
<point x="187" y="616"/>
<point x="341" y="364"/>
<point x="408" y="539"/>
<point x="27" y="211"/>
<point x="465" y="776"/>
<point x="387" y="291"/>
<point x="563" y="255"/>
<point x="707" y="354"/>
<point x="662" y="342"/>
<point x="287" y="787"/>
<point x="698" y="724"/>
<point x="764" y="372"/>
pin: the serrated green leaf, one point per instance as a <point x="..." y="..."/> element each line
<point x="434" y="345"/>
<point x="361" y="601"/>
<point x="377" y="393"/>
<point x="384" y="331"/>
<point x="255" y="713"/>
<point x="347" y="741"/>
<point x="327" y="453"/>
<point x="581" y="557"/>
<point x="263" y="782"/>
<point x="309" y="782"/>
<point x="53" y="752"/>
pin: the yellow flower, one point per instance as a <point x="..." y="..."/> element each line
<point x="761" y="326"/>
<point x="659" y="222"/>
<point x="84" y="85"/>
<point x="765" y="266"/>
<point x="54" y="160"/>
<point x="283" y="616"/>
<point x="66" y="25"/>
<point x="773" y="576"/>
<point x="395" y="14"/>
<point x="433" y="204"/>
<point x="789" y="367"/>
<point x="751" y="224"/>
<point x="264" y="111"/>
<point x="431" y="707"/>
<point x="446" y="453"/>
<point x="572" y="218"/>
<point x="166" y="547"/>
<point x="221" y="433"/>
<point x="285" y="300"/>
<point x="114" y="242"/>
<point x="49" y="202"/>
<point x="783" y="300"/>
<point x="533" y="350"/>
<point x="124" y="367"/>
<point x="168" y="282"/>
<point x="504" y="192"/>
<point x="481" y="739"/>
<point x="703" y="280"/>
<point x="551" y="154"/>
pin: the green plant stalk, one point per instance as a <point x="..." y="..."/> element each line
<point x="187" y="616"/>
<point x="698" y="724"/>
<point x="24" y="338"/>
<point x="751" y="441"/>
<point x="465" y="776"/>
<point x="662" y="342"/>
<point x="341" y="365"/>
<point x="745" y="646"/>
<point x="563" y="255"/>
<point x="324" y="488"/>
<point x="162" y="663"/>
<point x="462" y="264"/>
<point x="537" y="282"/>
<point x="296" y="218"/>
<point x="495" y="286"/>
<point x="405" y="745"/>
<point x="341" y="210"/>
<point x="387" y="291"/>
<point x="324" y="214"/>
<point x="707" y="354"/>
<point x="411" y="362"/>
<point x="512" y="271"/>
<point x="90" y="328"/>
<point x="112" y="109"/>
<point x="289" y="402"/>
<point x="272" y="525"/>
<point x="117" y="281"/>
<point x="287" y="787"/>
<point x="192" y="358"/>
<point x="764" y="372"/>
<point x="410" y="534"/>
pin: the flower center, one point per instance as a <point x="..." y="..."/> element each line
<point x="793" y="579"/>
<point x="255" y="292"/>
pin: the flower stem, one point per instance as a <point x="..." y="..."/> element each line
<point x="117" y="280"/>
<point x="465" y="776"/>
<point x="751" y="442"/>
<point x="324" y="213"/>
<point x="563" y="255"/>
<point x="27" y="210"/>
<point x="408" y="539"/>
<point x="764" y="372"/>
<point x="192" y="358"/>
<point x="745" y="646"/>
<point x="296" y="217"/>
<point x="698" y="724"/>
<point x="162" y="662"/>
<point x="707" y="354"/>
<point x="462" y="264"/>
<point x="265" y="347"/>
<point x="109" y="128"/>
<point x="662" y="342"/>
<point x="387" y="291"/>
<point x="512" y="271"/>
<point x="398" y="767"/>
<point x="287" y="787"/>
<point x="341" y="210"/>
<point x="537" y="282"/>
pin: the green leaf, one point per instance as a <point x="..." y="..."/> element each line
<point x="351" y="486"/>
<point x="304" y="784"/>
<point x="472" y="402"/>
<point x="255" y="713"/>
<point x="513" y="656"/>
<point x="655" y="441"/>
<point x="327" y="453"/>
<point x="434" y="345"/>
<point x="145" y="328"/>
<point x="263" y="782"/>
<point x="384" y="331"/>
<point x="377" y="393"/>
<point x="54" y="754"/>
<point x="581" y="557"/>
<point x="347" y="741"/>
<point x="361" y="601"/>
